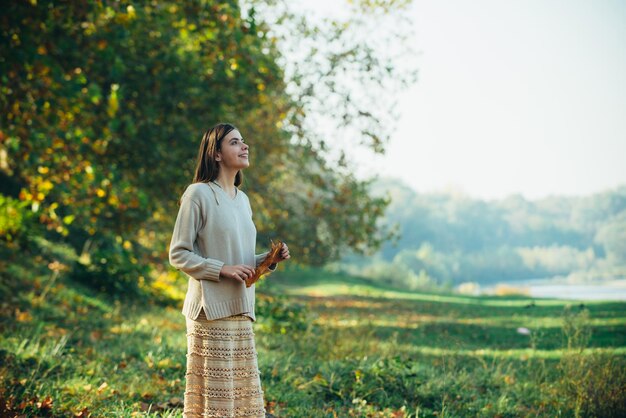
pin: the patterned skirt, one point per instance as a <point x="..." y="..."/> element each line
<point x="222" y="378"/>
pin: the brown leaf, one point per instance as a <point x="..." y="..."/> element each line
<point x="272" y="257"/>
<point x="83" y="413"/>
<point x="174" y="402"/>
<point x="46" y="404"/>
<point x="102" y="387"/>
<point x="23" y="316"/>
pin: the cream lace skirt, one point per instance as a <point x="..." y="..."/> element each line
<point x="222" y="378"/>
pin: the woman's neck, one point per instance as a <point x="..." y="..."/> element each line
<point x="226" y="180"/>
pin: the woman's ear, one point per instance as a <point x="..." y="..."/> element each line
<point x="218" y="157"/>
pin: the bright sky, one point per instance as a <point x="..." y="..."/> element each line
<point x="517" y="96"/>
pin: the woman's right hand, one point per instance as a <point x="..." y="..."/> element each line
<point x="238" y="272"/>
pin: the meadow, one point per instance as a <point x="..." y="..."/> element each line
<point x="330" y="345"/>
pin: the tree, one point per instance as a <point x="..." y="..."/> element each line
<point x="103" y="106"/>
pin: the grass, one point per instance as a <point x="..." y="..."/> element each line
<point x="329" y="345"/>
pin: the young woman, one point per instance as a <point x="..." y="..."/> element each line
<point x="214" y="244"/>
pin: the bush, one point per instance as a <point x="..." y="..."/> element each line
<point x="111" y="268"/>
<point x="14" y="216"/>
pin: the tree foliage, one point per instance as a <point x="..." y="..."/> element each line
<point x="104" y="103"/>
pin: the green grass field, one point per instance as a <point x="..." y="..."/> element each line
<point x="329" y="346"/>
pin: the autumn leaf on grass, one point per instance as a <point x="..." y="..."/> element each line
<point x="23" y="316"/>
<point x="82" y="413"/>
<point x="45" y="405"/>
<point x="103" y="387"/>
<point x="176" y="402"/>
<point x="272" y="257"/>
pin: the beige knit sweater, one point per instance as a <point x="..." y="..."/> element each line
<point x="213" y="229"/>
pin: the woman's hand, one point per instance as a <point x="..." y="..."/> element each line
<point x="284" y="252"/>
<point x="284" y="255"/>
<point x="238" y="272"/>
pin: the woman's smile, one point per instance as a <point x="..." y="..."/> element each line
<point x="233" y="153"/>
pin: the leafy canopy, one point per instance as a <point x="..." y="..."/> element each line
<point x="103" y="105"/>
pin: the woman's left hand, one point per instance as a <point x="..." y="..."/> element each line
<point x="284" y="252"/>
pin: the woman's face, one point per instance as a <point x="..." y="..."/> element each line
<point x="233" y="153"/>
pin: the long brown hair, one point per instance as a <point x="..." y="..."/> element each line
<point x="207" y="167"/>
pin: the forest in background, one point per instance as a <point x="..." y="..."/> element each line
<point x="445" y="239"/>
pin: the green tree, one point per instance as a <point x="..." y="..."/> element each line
<point x="103" y="105"/>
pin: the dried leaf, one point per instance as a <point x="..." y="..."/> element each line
<point x="175" y="402"/>
<point x="84" y="413"/>
<point x="46" y="404"/>
<point x="23" y="316"/>
<point x="272" y="257"/>
<point x="103" y="387"/>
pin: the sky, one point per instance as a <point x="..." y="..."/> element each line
<point x="513" y="97"/>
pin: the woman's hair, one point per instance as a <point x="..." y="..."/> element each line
<point x="207" y="167"/>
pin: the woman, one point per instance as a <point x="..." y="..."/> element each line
<point x="214" y="244"/>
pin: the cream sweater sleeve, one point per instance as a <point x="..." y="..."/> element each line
<point x="182" y="255"/>
<point x="258" y="259"/>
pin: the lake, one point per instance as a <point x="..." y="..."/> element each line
<point x="549" y="288"/>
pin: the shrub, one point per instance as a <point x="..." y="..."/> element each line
<point x="111" y="268"/>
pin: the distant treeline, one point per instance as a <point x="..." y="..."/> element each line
<point x="446" y="239"/>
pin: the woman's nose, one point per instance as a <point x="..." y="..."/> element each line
<point x="245" y="146"/>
